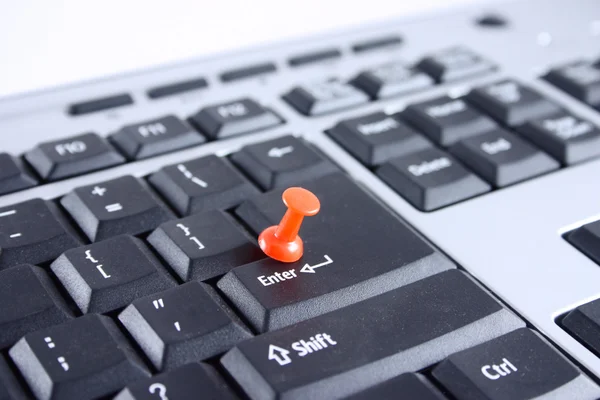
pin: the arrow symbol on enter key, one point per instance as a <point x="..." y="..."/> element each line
<point x="310" y="269"/>
<point x="279" y="152"/>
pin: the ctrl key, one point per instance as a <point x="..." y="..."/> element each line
<point x="517" y="366"/>
<point x="431" y="179"/>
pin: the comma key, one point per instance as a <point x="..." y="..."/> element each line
<point x="517" y="366"/>
<point x="342" y="263"/>
<point x="354" y="348"/>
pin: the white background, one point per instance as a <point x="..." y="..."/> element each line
<point x="45" y="43"/>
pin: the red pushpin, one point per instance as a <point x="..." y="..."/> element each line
<point x="282" y="242"/>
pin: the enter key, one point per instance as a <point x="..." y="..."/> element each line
<point x="354" y="249"/>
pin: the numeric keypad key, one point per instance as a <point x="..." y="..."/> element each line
<point x="118" y="206"/>
<point x="184" y="324"/>
<point x="110" y="274"/>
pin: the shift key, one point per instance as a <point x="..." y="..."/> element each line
<point x="344" y="261"/>
<point x="348" y="350"/>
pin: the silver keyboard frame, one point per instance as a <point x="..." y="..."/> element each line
<point x="510" y="239"/>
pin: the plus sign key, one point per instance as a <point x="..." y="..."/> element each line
<point x="281" y="162"/>
<point x="119" y="206"/>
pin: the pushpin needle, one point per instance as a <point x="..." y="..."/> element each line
<point x="281" y="242"/>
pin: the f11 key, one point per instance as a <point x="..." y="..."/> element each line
<point x="362" y="345"/>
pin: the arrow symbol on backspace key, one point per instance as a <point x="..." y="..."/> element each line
<point x="280" y="355"/>
<point x="279" y="152"/>
<point x="310" y="269"/>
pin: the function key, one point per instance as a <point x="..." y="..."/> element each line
<point x="202" y="184"/>
<point x="33" y="232"/>
<point x="118" y="206"/>
<point x="580" y="79"/>
<point x="510" y="102"/>
<point x="502" y="158"/>
<point x="325" y="97"/>
<point x="13" y="175"/>
<point x="376" y="44"/>
<point x="314" y="57"/>
<point x="86" y="358"/>
<point x="204" y="245"/>
<point x="101" y="104"/>
<point x="75" y="155"/>
<point x="454" y="64"/>
<point x="391" y="80"/>
<point x="446" y="120"/>
<point x="107" y="275"/>
<point x="281" y="162"/>
<point x="412" y="386"/>
<point x="518" y="365"/>
<point x="28" y="301"/>
<point x="177" y="88"/>
<point x="564" y="136"/>
<point x="181" y="325"/>
<point x="234" y="118"/>
<point x="154" y="137"/>
<point x="248" y="72"/>
<point x="431" y="179"/>
<point x="183" y="383"/>
<point x="377" y="137"/>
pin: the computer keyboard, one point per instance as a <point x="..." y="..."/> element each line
<point x="455" y="254"/>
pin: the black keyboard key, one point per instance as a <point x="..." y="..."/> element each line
<point x="564" y="136"/>
<point x="184" y="383"/>
<point x="408" y="386"/>
<point x="233" y="118"/>
<point x="359" y="346"/>
<point x="204" y="245"/>
<point x="454" y="64"/>
<point x="122" y="205"/>
<point x="314" y="57"/>
<point x="248" y="72"/>
<point x="154" y="137"/>
<point x="341" y="264"/>
<point x="325" y="97"/>
<point x="502" y="158"/>
<point x="107" y="275"/>
<point x="10" y="388"/>
<point x="104" y="103"/>
<point x="28" y="302"/>
<point x="583" y="323"/>
<point x="431" y="179"/>
<point x="587" y="239"/>
<point x="377" y="137"/>
<point x="579" y="79"/>
<point x="391" y="80"/>
<point x="281" y="162"/>
<point x="82" y="359"/>
<point x="13" y="175"/>
<point x="376" y="44"/>
<point x="75" y="155"/>
<point x="33" y="232"/>
<point x="511" y="103"/>
<point x="517" y="366"/>
<point x="182" y="325"/>
<point x="174" y="88"/>
<point x="446" y="120"/>
<point x="202" y="184"/>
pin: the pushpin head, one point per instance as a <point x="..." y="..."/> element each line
<point x="281" y="242"/>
